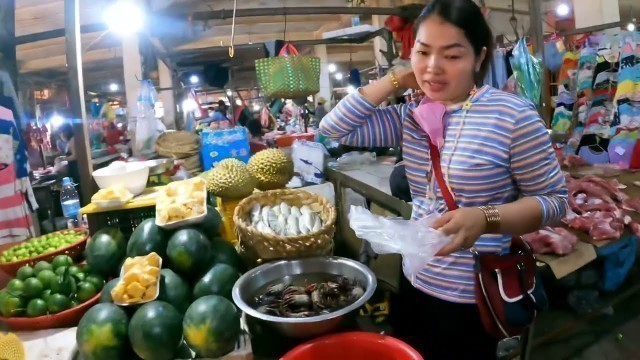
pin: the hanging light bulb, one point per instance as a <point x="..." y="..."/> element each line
<point x="631" y="27"/>
<point x="339" y="76"/>
<point x="332" y="68"/>
<point x="562" y="9"/>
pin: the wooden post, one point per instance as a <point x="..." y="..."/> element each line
<point x="76" y="98"/>
<point x="8" y="43"/>
<point x="537" y="38"/>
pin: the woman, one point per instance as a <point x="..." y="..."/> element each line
<point x="495" y="152"/>
<point x="66" y="133"/>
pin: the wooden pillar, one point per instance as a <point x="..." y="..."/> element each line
<point x="8" y="44"/>
<point x="167" y="96"/>
<point x="8" y="39"/>
<point x="325" y="77"/>
<point x="537" y="38"/>
<point x="76" y="98"/>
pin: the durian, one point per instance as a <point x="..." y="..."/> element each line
<point x="272" y="168"/>
<point x="230" y="179"/>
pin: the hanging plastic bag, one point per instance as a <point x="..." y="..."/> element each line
<point x="147" y="131"/>
<point x="526" y="69"/>
<point x="416" y="241"/>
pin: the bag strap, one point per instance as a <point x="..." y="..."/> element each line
<point x="288" y="50"/>
<point x="434" y="153"/>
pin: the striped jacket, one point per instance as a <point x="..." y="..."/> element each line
<point x="503" y="152"/>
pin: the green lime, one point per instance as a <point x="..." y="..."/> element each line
<point x="12" y="306"/>
<point x="42" y="265"/>
<point x="61" y="260"/>
<point x="46" y="294"/>
<point x="57" y="303"/>
<point x="96" y="280"/>
<point x="47" y="277"/>
<point x="73" y="270"/>
<point x="15" y="287"/>
<point x="32" y="288"/>
<point x="25" y="272"/>
<point x="80" y="276"/>
<point x="65" y="285"/>
<point x="61" y="270"/>
<point x="85" y="291"/>
<point x="36" y="307"/>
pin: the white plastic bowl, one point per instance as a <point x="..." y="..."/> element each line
<point x="133" y="176"/>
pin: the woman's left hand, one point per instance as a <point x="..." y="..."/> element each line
<point x="466" y="225"/>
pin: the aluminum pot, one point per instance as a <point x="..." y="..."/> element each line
<point x="246" y="288"/>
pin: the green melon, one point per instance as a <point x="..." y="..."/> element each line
<point x="155" y="331"/>
<point x="147" y="238"/>
<point x="211" y="326"/>
<point x="105" y="252"/>
<point x="102" y="333"/>
<point x="189" y="253"/>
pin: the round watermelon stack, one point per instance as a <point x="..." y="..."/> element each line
<point x="193" y="312"/>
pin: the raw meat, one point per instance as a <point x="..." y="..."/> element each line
<point x="550" y="240"/>
<point x="632" y="204"/>
<point x="597" y="207"/>
<point x="572" y="161"/>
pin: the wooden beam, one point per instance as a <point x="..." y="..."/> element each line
<point x="60" y="61"/>
<point x="58" y="33"/>
<point x="76" y="99"/>
<point x="315" y="10"/>
<point x="8" y="40"/>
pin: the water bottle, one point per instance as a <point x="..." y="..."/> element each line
<point x="70" y="202"/>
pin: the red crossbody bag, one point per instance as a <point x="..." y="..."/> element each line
<point x="508" y="292"/>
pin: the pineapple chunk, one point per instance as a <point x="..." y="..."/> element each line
<point x="118" y="292"/>
<point x="135" y="290"/>
<point x="153" y="259"/>
<point x="154" y="272"/>
<point x="150" y="293"/>
<point x="146" y="280"/>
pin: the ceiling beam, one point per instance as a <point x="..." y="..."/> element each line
<point x="56" y="33"/>
<point x="60" y="61"/>
<point x="316" y="10"/>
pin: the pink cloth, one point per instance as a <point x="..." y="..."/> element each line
<point x="430" y="117"/>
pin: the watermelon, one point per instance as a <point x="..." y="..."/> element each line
<point x="105" y="294"/>
<point x="155" y="331"/>
<point x="211" y="326"/>
<point x="219" y="280"/>
<point x="105" y="252"/>
<point x="189" y="252"/>
<point x="225" y="253"/>
<point x="102" y="333"/>
<point x="174" y="290"/>
<point x="211" y="224"/>
<point x="147" y="238"/>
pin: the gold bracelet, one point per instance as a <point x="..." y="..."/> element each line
<point x="492" y="215"/>
<point x="394" y="79"/>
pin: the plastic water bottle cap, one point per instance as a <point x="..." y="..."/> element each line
<point x="66" y="181"/>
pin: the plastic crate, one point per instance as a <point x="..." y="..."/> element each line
<point x="124" y="219"/>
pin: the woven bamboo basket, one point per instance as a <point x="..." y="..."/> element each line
<point x="257" y="247"/>
<point x="178" y="144"/>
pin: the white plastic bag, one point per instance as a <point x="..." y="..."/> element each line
<point x="147" y="129"/>
<point x="416" y="241"/>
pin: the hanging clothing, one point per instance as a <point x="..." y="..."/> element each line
<point x="15" y="189"/>
<point x="497" y="74"/>
<point x="7" y="90"/>
<point x="403" y="31"/>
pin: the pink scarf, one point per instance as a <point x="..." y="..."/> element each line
<point x="430" y="117"/>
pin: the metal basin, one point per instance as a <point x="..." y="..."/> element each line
<point x="250" y="283"/>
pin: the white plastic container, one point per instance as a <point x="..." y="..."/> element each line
<point x="183" y="222"/>
<point x="133" y="176"/>
<point x="143" y="301"/>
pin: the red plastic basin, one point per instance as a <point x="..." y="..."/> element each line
<point x="354" y="346"/>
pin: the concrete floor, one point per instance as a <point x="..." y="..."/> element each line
<point x="610" y="334"/>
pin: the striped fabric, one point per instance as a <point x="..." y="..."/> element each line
<point x="503" y="152"/>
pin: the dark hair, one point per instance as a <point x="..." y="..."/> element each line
<point x="221" y="103"/>
<point x="466" y="15"/>
<point x="67" y="130"/>
<point x="255" y="127"/>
